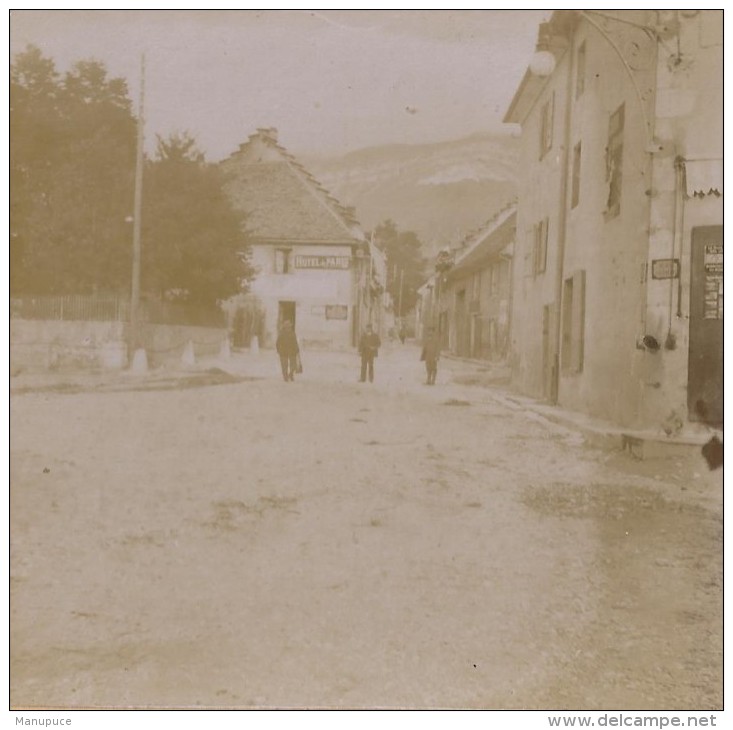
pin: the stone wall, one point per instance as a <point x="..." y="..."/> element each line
<point x="73" y="345"/>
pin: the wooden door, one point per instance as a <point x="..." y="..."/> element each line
<point x="705" y="359"/>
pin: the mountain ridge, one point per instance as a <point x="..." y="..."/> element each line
<point x="440" y="190"/>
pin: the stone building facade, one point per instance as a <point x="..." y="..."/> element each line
<point x="617" y="307"/>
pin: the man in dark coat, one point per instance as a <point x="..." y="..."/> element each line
<point x="287" y="348"/>
<point x="368" y="349"/>
<point x="431" y="355"/>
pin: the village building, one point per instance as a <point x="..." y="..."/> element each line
<point x="617" y="301"/>
<point x="314" y="265"/>
<point x="468" y="299"/>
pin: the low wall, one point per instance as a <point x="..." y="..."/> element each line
<point x="167" y="342"/>
<point x="74" y="345"/>
<point x="54" y="344"/>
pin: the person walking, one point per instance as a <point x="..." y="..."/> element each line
<point x="368" y="349"/>
<point x="288" y="350"/>
<point x="430" y="355"/>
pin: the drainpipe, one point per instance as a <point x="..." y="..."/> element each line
<point x="679" y="224"/>
<point x="563" y="222"/>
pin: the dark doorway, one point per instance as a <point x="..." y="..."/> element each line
<point x="705" y="363"/>
<point x="461" y="324"/>
<point x="547" y="371"/>
<point x="286" y="311"/>
<point x="443" y="330"/>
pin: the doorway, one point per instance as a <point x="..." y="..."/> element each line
<point x="547" y="364"/>
<point x="285" y="312"/>
<point x="461" y="324"/>
<point x="705" y="358"/>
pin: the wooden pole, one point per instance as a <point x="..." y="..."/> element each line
<point x="402" y="279"/>
<point x="137" y="215"/>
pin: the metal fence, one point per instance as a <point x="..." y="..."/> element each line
<point x="115" y="309"/>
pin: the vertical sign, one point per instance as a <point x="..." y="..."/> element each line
<point x="713" y="291"/>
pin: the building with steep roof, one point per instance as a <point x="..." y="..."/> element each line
<point x="315" y="267"/>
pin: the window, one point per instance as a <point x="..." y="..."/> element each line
<point x="580" y="71"/>
<point x="614" y="161"/>
<point x="573" y="323"/>
<point x="282" y="260"/>
<point x="476" y="286"/>
<point x="540" y="246"/>
<point x="575" y="194"/>
<point x="546" y="124"/>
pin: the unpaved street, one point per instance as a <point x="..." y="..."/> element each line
<point x="328" y="543"/>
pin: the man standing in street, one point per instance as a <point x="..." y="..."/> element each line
<point x="287" y="348"/>
<point x="368" y="349"/>
<point x="431" y="355"/>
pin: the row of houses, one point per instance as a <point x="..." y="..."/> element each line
<point x="315" y="266"/>
<point x="604" y="287"/>
<point x="468" y="299"/>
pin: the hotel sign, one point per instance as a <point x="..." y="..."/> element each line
<point x="322" y="262"/>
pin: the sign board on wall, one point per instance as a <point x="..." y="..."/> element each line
<point x="713" y="261"/>
<point x="665" y="268"/>
<point x="322" y="262"/>
<point x="337" y="311"/>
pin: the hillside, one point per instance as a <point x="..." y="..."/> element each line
<point x="440" y="190"/>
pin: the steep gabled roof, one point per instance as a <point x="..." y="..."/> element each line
<point x="486" y="243"/>
<point x="282" y="200"/>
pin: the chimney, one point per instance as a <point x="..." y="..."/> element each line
<point x="269" y="134"/>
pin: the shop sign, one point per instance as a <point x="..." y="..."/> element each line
<point x="337" y="311"/>
<point x="713" y="261"/>
<point x="665" y="268"/>
<point x="322" y="262"/>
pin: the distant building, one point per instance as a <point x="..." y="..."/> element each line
<point x="469" y="298"/>
<point x="617" y="306"/>
<point x="314" y="265"/>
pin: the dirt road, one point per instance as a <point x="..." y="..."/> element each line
<point x="327" y="543"/>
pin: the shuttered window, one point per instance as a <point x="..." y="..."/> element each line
<point x="540" y="246"/>
<point x="614" y="162"/>
<point x="547" y="120"/>
<point x="575" y="193"/>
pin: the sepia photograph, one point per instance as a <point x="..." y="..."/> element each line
<point x="367" y="360"/>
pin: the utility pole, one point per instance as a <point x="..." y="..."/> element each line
<point x="399" y="306"/>
<point x="137" y="214"/>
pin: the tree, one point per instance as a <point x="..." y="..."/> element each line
<point x="405" y="264"/>
<point x="72" y="171"/>
<point x="72" y="168"/>
<point x="193" y="238"/>
<point x="34" y="130"/>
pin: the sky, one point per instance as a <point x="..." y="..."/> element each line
<point x="330" y="81"/>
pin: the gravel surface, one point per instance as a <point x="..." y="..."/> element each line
<point x="225" y="539"/>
